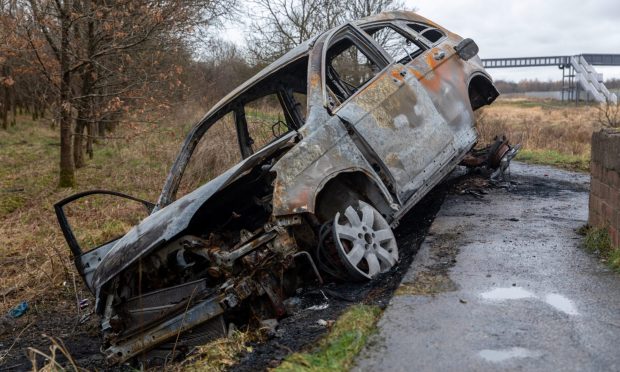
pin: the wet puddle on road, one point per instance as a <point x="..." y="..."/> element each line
<point x="497" y="356"/>
<point x="561" y="303"/>
<point x="555" y="300"/>
<point x="510" y="293"/>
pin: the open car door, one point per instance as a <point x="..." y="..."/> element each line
<point x="93" y="221"/>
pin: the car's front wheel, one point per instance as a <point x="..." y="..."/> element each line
<point x="364" y="241"/>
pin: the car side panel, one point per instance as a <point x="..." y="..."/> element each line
<point x="322" y="155"/>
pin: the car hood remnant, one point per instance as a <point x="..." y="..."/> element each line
<point x="335" y="151"/>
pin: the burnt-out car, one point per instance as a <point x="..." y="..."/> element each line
<point x="330" y="146"/>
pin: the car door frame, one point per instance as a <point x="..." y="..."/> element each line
<point x="67" y="230"/>
<point x="368" y="45"/>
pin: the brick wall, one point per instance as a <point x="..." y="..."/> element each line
<point x="605" y="186"/>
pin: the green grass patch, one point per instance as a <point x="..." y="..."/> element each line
<point x="598" y="241"/>
<point x="579" y="163"/>
<point x="9" y="203"/>
<point x="335" y="352"/>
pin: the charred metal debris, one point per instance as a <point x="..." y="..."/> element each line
<point x="371" y="116"/>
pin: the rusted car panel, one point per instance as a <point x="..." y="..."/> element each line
<point x="318" y="202"/>
<point x="319" y="157"/>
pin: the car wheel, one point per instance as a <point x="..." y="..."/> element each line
<point x="364" y="241"/>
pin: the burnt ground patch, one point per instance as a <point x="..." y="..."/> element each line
<point x="544" y="187"/>
<point x="82" y="341"/>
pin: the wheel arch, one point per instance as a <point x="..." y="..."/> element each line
<point x="338" y="191"/>
<point x="481" y="90"/>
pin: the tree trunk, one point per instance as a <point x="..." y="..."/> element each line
<point x="78" y="142"/>
<point x="99" y="129"/>
<point x="14" y="107"/>
<point x="5" y="110"/>
<point x="89" y="139"/>
<point x="67" y="169"/>
<point x="5" y="101"/>
<point x="84" y="113"/>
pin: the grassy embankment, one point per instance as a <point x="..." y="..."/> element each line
<point x="551" y="133"/>
<point x="336" y="351"/>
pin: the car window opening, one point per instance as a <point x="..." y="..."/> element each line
<point x="273" y="107"/>
<point x="348" y="68"/>
<point x="265" y="120"/>
<point x="431" y="34"/>
<point x="418" y="27"/>
<point x="401" y="48"/>
<point x="217" y="151"/>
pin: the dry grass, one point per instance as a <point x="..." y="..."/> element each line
<point x="219" y="355"/>
<point x="35" y="260"/>
<point x="50" y="362"/>
<point x="552" y="133"/>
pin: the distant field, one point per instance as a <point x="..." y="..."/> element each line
<point x="551" y="132"/>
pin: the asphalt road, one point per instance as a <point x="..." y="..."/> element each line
<point x="501" y="283"/>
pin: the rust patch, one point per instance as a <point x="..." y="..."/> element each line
<point x="315" y="81"/>
<point x="392" y="160"/>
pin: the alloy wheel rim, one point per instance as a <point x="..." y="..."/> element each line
<point x="365" y="242"/>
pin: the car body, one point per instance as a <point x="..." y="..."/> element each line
<point x="372" y="115"/>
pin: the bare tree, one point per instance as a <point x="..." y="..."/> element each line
<point x="106" y="57"/>
<point x="222" y="66"/>
<point x="282" y="24"/>
<point x="608" y="114"/>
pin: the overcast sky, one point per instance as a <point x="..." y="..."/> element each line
<point x="525" y="28"/>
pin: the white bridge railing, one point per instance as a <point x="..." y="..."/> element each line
<point x="590" y="80"/>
